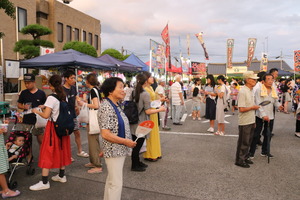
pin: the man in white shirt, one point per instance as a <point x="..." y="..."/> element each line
<point x="160" y="94"/>
<point x="177" y="100"/>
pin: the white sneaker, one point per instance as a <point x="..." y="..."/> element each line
<point x="40" y="186"/>
<point x="221" y="133"/>
<point x="58" y="179"/>
<point x="210" y="130"/>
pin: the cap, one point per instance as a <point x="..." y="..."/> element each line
<point x="250" y="74"/>
<point x="29" y="78"/>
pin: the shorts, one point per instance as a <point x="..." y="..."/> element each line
<point x="38" y="131"/>
<point x="76" y="124"/>
<point x="196" y="108"/>
<point x="234" y="102"/>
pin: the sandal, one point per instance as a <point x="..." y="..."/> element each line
<point x="95" y="170"/>
<point x="90" y="165"/>
<point x="83" y="154"/>
<point x="10" y="194"/>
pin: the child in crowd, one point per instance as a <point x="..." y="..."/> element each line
<point x="14" y="149"/>
<point x="234" y="93"/>
<point x="196" y="93"/>
<point x="196" y="106"/>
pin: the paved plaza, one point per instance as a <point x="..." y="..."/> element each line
<point x="195" y="165"/>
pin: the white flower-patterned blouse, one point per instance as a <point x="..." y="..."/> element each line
<point x="108" y="119"/>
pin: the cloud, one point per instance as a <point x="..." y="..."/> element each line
<point x="131" y="23"/>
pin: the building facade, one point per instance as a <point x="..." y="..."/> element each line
<point x="67" y="24"/>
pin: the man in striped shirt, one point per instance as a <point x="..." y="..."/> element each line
<point x="177" y="100"/>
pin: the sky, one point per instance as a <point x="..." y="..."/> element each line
<point x="132" y="23"/>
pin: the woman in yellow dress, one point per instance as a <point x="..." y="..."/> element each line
<point x="153" y="141"/>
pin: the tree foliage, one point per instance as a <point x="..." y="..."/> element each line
<point x="9" y="9"/>
<point x="35" y="30"/>
<point x="82" y="47"/>
<point x="31" y="48"/>
<point x="113" y="53"/>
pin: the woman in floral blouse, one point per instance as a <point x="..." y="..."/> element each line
<point x="116" y="136"/>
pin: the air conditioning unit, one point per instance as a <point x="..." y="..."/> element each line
<point x="67" y="1"/>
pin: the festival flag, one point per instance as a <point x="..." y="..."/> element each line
<point x="46" y="50"/>
<point x="199" y="36"/>
<point x="297" y="60"/>
<point x="251" y="49"/>
<point x="264" y="62"/>
<point x="186" y="65"/>
<point x="188" y="44"/>
<point x="166" y="39"/>
<point x="157" y="57"/>
<point x="230" y="45"/>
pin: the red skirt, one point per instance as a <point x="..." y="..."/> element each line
<point x="54" y="152"/>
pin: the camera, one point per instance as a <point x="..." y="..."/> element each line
<point x="67" y="1"/>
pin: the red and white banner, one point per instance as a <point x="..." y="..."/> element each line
<point x="297" y="60"/>
<point x="230" y="45"/>
<point x="200" y="38"/>
<point x="264" y="62"/>
<point x="251" y="50"/>
<point x="166" y="39"/>
<point x="46" y="50"/>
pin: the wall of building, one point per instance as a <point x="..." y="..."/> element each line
<point x="9" y="27"/>
<point x="52" y="11"/>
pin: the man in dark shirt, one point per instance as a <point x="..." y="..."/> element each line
<point x="32" y="97"/>
<point x="70" y="90"/>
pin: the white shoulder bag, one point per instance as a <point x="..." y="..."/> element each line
<point x="93" y="117"/>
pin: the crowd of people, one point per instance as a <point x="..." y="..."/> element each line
<point x="118" y="135"/>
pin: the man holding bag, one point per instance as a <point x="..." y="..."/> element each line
<point x="32" y="97"/>
<point x="70" y="90"/>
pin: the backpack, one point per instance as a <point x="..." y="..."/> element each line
<point x="195" y="92"/>
<point x="131" y="110"/>
<point x="64" y="124"/>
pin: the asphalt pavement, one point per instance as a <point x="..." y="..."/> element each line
<point x="194" y="165"/>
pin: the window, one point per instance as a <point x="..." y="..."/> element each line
<point x="69" y="33"/>
<point x="41" y="15"/>
<point x="22" y="18"/>
<point x="96" y="42"/>
<point x="60" y="32"/>
<point x="90" y="38"/>
<point x="76" y="34"/>
<point x="84" y="36"/>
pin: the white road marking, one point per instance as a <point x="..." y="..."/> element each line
<point x="199" y="134"/>
<point x="226" y="122"/>
<point x="183" y="117"/>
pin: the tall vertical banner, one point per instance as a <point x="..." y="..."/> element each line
<point x="297" y="60"/>
<point x="157" y="57"/>
<point x="264" y="62"/>
<point x="166" y="39"/>
<point x="186" y="65"/>
<point x="251" y="49"/>
<point x="188" y="44"/>
<point x="230" y="45"/>
<point x="200" y="38"/>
